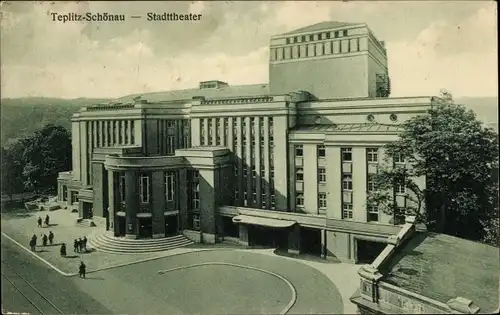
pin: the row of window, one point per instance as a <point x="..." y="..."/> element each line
<point x="169" y="138"/>
<point x="145" y="187"/>
<point x="315" y="50"/>
<point x="318" y="36"/>
<point x="372" y="154"/>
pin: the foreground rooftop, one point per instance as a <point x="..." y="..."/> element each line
<point x="443" y="267"/>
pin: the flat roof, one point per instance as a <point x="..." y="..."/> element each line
<point x="359" y="127"/>
<point x="275" y="223"/>
<point x="443" y="267"/>
<point x="221" y="92"/>
<point x="325" y="25"/>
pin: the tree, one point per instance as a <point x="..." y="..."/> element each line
<point x="457" y="156"/>
<point x="11" y="168"/>
<point x="47" y="152"/>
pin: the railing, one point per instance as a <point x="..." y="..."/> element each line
<point x="238" y="101"/>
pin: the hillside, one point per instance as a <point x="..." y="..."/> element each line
<point x="25" y="115"/>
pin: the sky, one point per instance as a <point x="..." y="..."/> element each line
<point x="431" y="45"/>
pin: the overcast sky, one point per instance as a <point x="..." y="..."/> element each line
<point x="431" y="45"/>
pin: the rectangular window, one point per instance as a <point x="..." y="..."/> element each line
<point x="344" y="33"/>
<point x="321" y="175"/>
<point x="299" y="200"/>
<point x="372" y="214"/>
<point x="170" y="145"/>
<point x="371" y="183"/>
<point x="322" y="200"/>
<point x="347" y="211"/>
<point x="347" y="182"/>
<point x="336" y="34"/>
<point x="321" y="151"/>
<point x="299" y="150"/>
<point x="196" y="222"/>
<point x="271" y="173"/>
<point x="399" y="216"/>
<point x="254" y="198"/>
<point x="399" y="158"/>
<point x="346" y="154"/>
<point x="144" y="188"/>
<point x="245" y="201"/>
<point x="372" y="155"/>
<point x="254" y="172"/>
<point x="195" y="190"/>
<point x="273" y="202"/>
<point x="311" y="38"/>
<point x="299" y="174"/>
<point x="303" y="38"/>
<point x="263" y="200"/>
<point x="327" y="35"/>
<point x="122" y="187"/>
<point x="401" y="189"/>
<point x="170" y="186"/>
<point x="170" y="123"/>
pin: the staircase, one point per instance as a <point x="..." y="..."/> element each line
<point x="107" y="242"/>
<point x="84" y="223"/>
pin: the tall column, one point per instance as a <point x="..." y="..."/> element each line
<point x="131" y="202"/>
<point x="239" y="159"/>
<point x="106" y="134"/>
<point x="248" y="161"/>
<point x="222" y="131"/>
<point x="112" y="186"/>
<point x="323" y="243"/>
<point x="182" y="196"/>
<point x="208" y="184"/>
<point x="206" y="131"/>
<point x="310" y="167"/>
<point x="129" y="132"/>
<point x="267" y="166"/>
<point x="214" y="132"/>
<point x="122" y="131"/>
<point x="158" y="194"/>
<point x="257" y="162"/>
<point x="230" y="132"/>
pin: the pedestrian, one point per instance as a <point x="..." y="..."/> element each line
<point x="85" y="243"/>
<point x="47" y="220"/>
<point x="63" y="250"/>
<point x="51" y="237"/>
<point x="39" y="222"/>
<point x="34" y="238"/>
<point x="32" y="245"/>
<point x="80" y="245"/>
<point x="75" y="246"/>
<point x="44" y="239"/>
<point x="82" y="270"/>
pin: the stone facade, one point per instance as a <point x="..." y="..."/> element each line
<point x="283" y="144"/>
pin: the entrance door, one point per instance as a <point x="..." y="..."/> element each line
<point x="120" y="226"/>
<point x="367" y="251"/>
<point x="145" y="227"/>
<point x="171" y="225"/>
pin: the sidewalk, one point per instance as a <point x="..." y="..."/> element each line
<point x="21" y="226"/>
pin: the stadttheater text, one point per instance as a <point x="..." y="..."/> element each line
<point x="173" y="17"/>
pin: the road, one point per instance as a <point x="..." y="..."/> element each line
<point x="50" y="292"/>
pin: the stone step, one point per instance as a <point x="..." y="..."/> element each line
<point x="106" y="242"/>
<point x="112" y="250"/>
<point x="109" y="236"/>
<point x="108" y="247"/>
<point x="103" y="241"/>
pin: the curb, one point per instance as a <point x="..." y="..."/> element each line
<point x="290" y="285"/>
<point x="38" y="257"/>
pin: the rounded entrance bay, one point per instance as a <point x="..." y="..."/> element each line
<point x="223" y="288"/>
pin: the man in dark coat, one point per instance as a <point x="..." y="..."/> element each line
<point x="82" y="270"/>
<point x="47" y="219"/>
<point x="63" y="250"/>
<point x="32" y="245"/>
<point x="80" y="245"/>
<point x="44" y="239"/>
<point x="51" y="237"/>
<point x="39" y="222"/>
<point x="76" y="246"/>
<point x="84" y="243"/>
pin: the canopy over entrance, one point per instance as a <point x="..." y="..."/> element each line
<point x="274" y="223"/>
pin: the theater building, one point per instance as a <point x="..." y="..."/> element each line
<point x="288" y="163"/>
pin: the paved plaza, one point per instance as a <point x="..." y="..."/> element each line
<point x="201" y="279"/>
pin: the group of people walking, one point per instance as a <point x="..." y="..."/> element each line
<point x="46" y="221"/>
<point x="45" y="240"/>
<point x="80" y="245"/>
